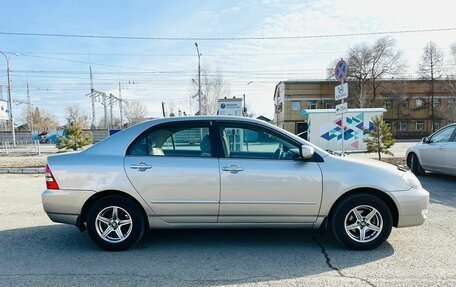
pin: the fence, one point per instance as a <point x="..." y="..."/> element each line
<point x="29" y="138"/>
<point x="34" y="148"/>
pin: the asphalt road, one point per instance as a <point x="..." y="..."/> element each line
<point x="36" y="252"/>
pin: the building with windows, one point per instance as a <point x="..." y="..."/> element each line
<point x="408" y="104"/>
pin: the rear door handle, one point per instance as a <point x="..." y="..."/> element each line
<point x="233" y="168"/>
<point x="142" y="166"/>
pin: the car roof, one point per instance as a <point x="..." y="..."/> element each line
<point x="119" y="142"/>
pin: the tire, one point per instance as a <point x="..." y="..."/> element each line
<point x="111" y="232"/>
<point x="375" y="230"/>
<point x="414" y="164"/>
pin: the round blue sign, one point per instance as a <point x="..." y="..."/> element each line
<point x="223" y="105"/>
<point x="341" y="70"/>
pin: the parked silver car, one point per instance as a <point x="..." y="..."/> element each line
<point x="226" y="172"/>
<point x="436" y="153"/>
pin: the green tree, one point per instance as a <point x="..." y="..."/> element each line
<point x="73" y="138"/>
<point x="380" y="139"/>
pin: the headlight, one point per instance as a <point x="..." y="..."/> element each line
<point x="411" y="180"/>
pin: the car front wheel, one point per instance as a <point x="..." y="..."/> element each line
<point x="414" y="164"/>
<point x="115" y="223"/>
<point x="361" y="222"/>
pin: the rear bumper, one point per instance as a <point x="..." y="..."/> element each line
<point x="412" y="206"/>
<point x="64" y="206"/>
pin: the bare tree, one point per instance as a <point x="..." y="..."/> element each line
<point x="213" y="87"/>
<point x="75" y="113"/>
<point x="450" y="83"/>
<point x="386" y="62"/>
<point x="43" y="120"/>
<point x="368" y="65"/>
<point x="430" y="68"/>
<point x="135" y="112"/>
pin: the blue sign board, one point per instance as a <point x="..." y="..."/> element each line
<point x="341" y="70"/>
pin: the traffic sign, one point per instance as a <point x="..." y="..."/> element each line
<point x="341" y="92"/>
<point x="341" y="109"/>
<point x="341" y="70"/>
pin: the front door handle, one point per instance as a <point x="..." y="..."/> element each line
<point x="440" y="147"/>
<point x="142" y="166"/>
<point x="233" y="168"/>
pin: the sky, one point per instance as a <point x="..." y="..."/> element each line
<point x="155" y="71"/>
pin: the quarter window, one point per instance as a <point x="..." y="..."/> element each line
<point x="173" y="141"/>
<point x="255" y="143"/>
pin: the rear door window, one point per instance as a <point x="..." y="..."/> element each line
<point x="188" y="140"/>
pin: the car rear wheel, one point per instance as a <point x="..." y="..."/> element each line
<point x="414" y="164"/>
<point x="361" y="222"/>
<point x="115" y="223"/>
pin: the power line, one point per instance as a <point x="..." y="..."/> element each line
<point x="285" y="53"/>
<point x="222" y="38"/>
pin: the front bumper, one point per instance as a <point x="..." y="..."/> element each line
<point x="412" y="205"/>
<point x="64" y="206"/>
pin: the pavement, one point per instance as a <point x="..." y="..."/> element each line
<point x="36" y="252"/>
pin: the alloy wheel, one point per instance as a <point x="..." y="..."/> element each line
<point x="363" y="223"/>
<point x="113" y="224"/>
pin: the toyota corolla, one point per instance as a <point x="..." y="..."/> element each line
<point x="225" y="172"/>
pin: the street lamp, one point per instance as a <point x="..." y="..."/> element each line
<point x="10" y="96"/>
<point x="199" y="79"/>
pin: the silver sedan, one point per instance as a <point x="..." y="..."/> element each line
<point x="221" y="172"/>
<point x="435" y="153"/>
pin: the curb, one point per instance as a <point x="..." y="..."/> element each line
<point x="25" y="170"/>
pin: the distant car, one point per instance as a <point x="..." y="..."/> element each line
<point x="436" y="153"/>
<point x="214" y="171"/>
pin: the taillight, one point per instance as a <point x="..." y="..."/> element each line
<point x="50" y="180"/>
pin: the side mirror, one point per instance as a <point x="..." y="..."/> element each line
<point x="425" y="140"/>
<point x="307" y="152"/>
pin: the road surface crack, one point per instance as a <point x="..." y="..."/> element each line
<point x="330" y="265"/>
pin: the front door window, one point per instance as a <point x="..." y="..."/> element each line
<point x="256" y="143"/>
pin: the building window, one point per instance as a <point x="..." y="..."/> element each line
<point x="403" y="126"/>
<point x="451" y="102"/>
<point x="295" y="105"/>
<point x="329" y="105"/>
<point x="311" y="105"/>
<point x="404" y="104"/>
<point x="419" y="103"/>
<point x="388" y="104"/>
<point x="436" y="126"/>
<point x="436" y="103"/>
<point x="419" y="125"/>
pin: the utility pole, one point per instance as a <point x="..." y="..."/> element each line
<point x="120" y="106"/>
<point x="163" y="109"/>
<point x="432" y="92"/>
<point x="111" y="102"/>
<point x="29" y="109"/>
<point x="10" y="98"/>
<point x="104" y="98"/>
<point x="199" y="80"/>
<point x="92" y="96"/>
